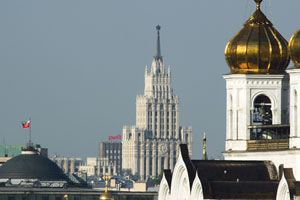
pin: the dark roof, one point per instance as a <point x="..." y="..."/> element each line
<point x="189" y="165"/>
<point x="32" y="166"/>
<point x="231" y="179"/>
<point x="237" y="179"/>
<point x="168" y="176"/>
<point x="242" y="190"/>
<point x="224" y="170"/>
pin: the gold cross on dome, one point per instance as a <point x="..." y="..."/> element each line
<point x="106" y="177"/>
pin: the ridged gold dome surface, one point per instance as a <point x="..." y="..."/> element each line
<point x="258" y="48"/>
<point x="294" y="47"/>
<point x="106" y="196"/>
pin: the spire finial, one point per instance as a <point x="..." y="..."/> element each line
<point x="106" y="177"/>
<point x="158" y="28"/>
<point x="258" y="2"/>
<point x="204" y="154"/>
<point x="157" y="53"/>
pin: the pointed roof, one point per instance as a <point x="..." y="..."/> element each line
<point x="157" y="51"/>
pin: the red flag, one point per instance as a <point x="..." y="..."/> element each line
<point x="26" y="124"/>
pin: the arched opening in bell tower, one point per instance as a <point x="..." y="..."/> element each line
<point x="262" y="125"/>
<point x="262" y="113"/>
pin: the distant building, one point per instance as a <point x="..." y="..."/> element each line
<point x="7" y="151"/>
<point x="68" y="165"/>
<point x="98" y="167"/>
<point x="32" y="176"/>
<point x="113" y="152"/>
<point x="153" y="143"/>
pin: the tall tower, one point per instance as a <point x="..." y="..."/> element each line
<point x="294" y="48"/>
<point x="153" y="143"/>
<point x="258" y="96"/>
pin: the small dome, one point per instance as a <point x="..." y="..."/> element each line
<point x="106" y="196"/>
<point x="258" y="48"/>
<point x="294" y="47"/>
<point x="30" y="165"/>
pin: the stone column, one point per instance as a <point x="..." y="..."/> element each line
<point x="154" y="159"/>
<point x="142" y="161"/>
<point x="72" y="167"/>
<point x="159" y="164"/>
<point x="177" y="120"/>
<point x="166" y="162"/>
<point x="98" y="167"/>
<point x="170" y="122"/>
<point x="153" y="121"/>
<point x="147" y="160"/>
<point x="66" y="165"/>
<point x="165" y="121"/>
<point x="158" y="121"/>
<point x="172" y="155"/>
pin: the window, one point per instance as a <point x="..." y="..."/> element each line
<point x="262" y="114"/>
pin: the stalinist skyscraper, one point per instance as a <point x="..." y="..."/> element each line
<point x="152" y="144"/>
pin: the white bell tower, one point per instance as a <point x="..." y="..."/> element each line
<point x="262" y="99"/>
<point x="255" y="103"/>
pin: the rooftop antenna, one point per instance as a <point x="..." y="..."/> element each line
<point x="204" y="154"/>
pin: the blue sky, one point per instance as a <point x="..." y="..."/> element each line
<point x="75" y="67"/>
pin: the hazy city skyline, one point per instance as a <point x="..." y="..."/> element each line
<point x="75" y="67"/>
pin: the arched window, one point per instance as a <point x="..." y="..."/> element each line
<point x="262" y="113"/>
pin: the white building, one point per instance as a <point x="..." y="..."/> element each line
<point x="152" y="144"/>
<point x="262" y="151"/>
<point x="262" y="96"/>
<point x="68" y="165"/>
<point x="98" y="166"/>
<point x="223" y="179"/>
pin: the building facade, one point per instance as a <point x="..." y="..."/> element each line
<point x="113" y="152"/>
<point x="226" y="179"/>
<point x="152" y="144"/>
<point x="68" y="165"/>
<point x="262" y="95"/>
<point x="98" y="167"/>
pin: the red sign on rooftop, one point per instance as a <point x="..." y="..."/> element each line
<point x="117" y="137"/>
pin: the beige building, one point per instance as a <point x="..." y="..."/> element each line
<point x="153" y="143"/>
<point x="68" y="165"/>
<point x="98" y="167"/>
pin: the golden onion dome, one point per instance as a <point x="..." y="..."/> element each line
<point x="106" y="196"/>
<point x="294" y="48"/>
<point x="258" y="48"/>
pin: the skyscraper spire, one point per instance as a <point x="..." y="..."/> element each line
<point x="204" y="154"/>
<point x="157" y="53"/>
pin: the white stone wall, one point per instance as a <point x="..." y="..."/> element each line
<point x="294" y="107"/>
<point x="242" y="89"/>
<point x="180" y="185"/>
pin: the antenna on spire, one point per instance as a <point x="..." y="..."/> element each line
<point x="258" y="2"/>
<point x="157" y="53"/>
<point x="204" y="154"/>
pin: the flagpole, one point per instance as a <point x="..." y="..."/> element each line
<point x="30" y="143"/>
